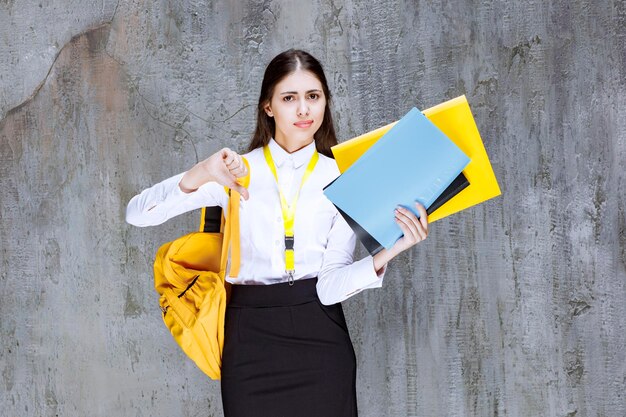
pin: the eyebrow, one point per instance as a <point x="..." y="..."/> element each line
<point x="295" y="92"/>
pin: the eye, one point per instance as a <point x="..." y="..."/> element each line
<point x="314" y="96"/>
<point x="288" y="98"/>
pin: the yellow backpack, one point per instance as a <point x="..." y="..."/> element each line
<point x="189" y="277"/>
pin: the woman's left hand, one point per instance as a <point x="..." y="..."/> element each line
<point x="415" y="230"/>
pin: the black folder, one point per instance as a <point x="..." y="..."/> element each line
<point x="372" y="245"/>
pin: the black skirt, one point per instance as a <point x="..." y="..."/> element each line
<point x="286" y="354"/>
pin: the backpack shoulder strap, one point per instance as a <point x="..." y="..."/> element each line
<point x="213" y="220"/>
<point x="210" y="219"/>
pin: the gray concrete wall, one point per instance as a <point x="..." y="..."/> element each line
<point x="513" y="308"/>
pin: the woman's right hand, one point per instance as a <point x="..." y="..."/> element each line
<point x="223" y="167"/>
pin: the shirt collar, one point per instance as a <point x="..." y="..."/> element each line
<point x="299" y="157"/>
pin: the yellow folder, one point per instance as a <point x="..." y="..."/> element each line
<point x="455" y="119"/>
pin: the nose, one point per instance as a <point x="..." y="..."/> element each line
<point x="303" y="108"/>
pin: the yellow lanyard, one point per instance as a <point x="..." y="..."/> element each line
<point x="289" y="211"/>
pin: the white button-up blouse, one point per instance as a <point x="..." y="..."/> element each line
<point x="323" y="242"/>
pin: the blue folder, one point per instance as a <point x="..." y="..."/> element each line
<point x="413" y="161"/>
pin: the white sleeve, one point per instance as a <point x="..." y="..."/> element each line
<point x="340" y="277"/>
<point x="165" y="200"/>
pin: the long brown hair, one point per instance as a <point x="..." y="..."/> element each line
<point x="281" y="66"/>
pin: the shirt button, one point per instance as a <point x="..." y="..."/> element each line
<point x="277" y="242"/>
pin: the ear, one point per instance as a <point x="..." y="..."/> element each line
<point x="268" y="110"/>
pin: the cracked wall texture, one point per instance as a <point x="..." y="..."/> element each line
<point x="512" y="308"/>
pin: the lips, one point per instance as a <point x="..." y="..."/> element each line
<point x="304" y="124"/>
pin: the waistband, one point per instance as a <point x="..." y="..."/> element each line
<point x="274" y="295"/>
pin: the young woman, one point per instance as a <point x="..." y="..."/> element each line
<point x="287" y="351"/>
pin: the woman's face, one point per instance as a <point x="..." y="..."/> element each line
<point x="297" y="106"/>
